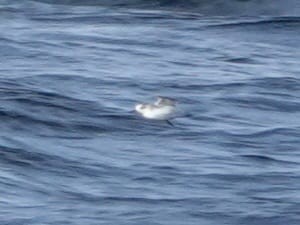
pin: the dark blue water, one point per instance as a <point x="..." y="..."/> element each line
<point x="72" y="152"/>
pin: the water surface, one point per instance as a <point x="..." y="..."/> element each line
<point x="72" y="152"/>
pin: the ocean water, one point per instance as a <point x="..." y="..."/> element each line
<point x="73" y="152"/>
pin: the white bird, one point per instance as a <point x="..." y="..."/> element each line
<point x="162" y="109"/>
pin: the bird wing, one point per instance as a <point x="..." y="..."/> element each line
<point x="164" y="101"/>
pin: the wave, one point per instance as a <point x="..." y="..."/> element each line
<point x="266" y="159"/>
<point x="29" y="158"/>
<point x="27" y="106"/>
<point x="272" y="21"/>
<point x="210" y="7"/>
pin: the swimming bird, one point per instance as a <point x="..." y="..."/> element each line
<point x="162" y="109"/>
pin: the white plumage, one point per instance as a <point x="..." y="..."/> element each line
<point x="162" y="109"/>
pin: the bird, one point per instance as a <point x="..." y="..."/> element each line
<point x="162" y="109"/>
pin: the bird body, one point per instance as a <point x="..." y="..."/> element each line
<point x="162" y="109"/>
